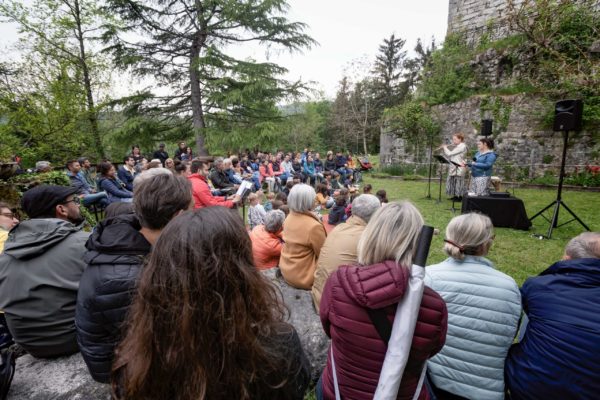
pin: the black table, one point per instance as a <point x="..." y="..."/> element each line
<point x="506" y="212"/>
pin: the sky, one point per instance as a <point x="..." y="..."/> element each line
<point x="346" y="30"/>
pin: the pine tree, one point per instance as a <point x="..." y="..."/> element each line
<point x="388" y="70"/>
<point x="183" y="45"/>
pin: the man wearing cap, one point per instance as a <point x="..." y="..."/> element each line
<point x="161" y="154"/>
<point x="40" y="271"/>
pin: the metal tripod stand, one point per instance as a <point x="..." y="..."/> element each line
<point x="559" y="202"/>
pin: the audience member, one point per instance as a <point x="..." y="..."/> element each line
<point x="87" y="194"/>
<point x="267" y="240"/>
<point x="341" y="243"/>
<point x="323" y="199"/>
<point x="382" y="194"/>
<point x="281" y="196"/>
<point x="188" y="155"/>
<point x="40" y="271"/>
<point x="269" y="203"/>
<point x="161" y="154"/>
<point x="115" y="209"/>
<point x="471" y="365"/>
<point x="42" y="167"/>
<point x="201" y="191"/>
<point x="136" y="154"/>
<point x="303" y="236"/>
<point x="337" y="215"/>
<point x="285" y="209"/>
<point x="385" y="253"/>
<point x="256" y="212"/>
<point x="181" y="150"/>
<point x="86" y="172"/>
<point x="367" y="189"/>
<point x="108" y="182"/>
<point x="8" y="220"/>
<point x="216" y="325"/>
<point x="126" y="172"/>
<point x="219" y="177"/>
<point x="310" y="174"/>
<point x="182" y="168"/>
<point x="116" y="251"/>
<point x="170" y="164"/>
<point x="557" y="357"/>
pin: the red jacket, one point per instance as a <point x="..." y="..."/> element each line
<point x="266" y="172"/>
<point x="202" y="194"/>
<point x="266" y="247"/>
<point x="358" y="350"/>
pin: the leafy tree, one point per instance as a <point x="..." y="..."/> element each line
<point x="340" y="118"/>
<point x="64" y="31"/>
<point x="183" y="46"/>
<point x="415" y="66"/>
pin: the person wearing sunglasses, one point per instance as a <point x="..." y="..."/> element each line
<point x="8" y="220"/>
<point x="40" y="270"/>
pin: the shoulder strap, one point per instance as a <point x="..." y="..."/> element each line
<point x="383" y="326"/>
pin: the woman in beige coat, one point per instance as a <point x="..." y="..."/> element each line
<point x="455" y="186"/>
<point x="303" y="237"/>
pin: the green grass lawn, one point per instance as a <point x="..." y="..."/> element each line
<point x="514" y="252"/>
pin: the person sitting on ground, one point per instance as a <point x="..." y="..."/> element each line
<point x="136" y="154"/>
<point x="8" y="220"/>
<point x="219" y="177"/>
<point x="557" y="356"/>
<point x="268" y="206"/>
<point x="367" y="189"/>
<point x="281" y="196"/>
<point x="329" y="164"/>
<point x="324" y="201"/>
<point x="341" y="166"/>
<point x="40" y="270"/>
<point x="379" y="281"/>
<point x="114" y="188"/>
<point x="308" y="169"/>
<point x="87" y="194"/>
<point x="161" y="154"/>
<point x="267" y="174"/>
<point x="126" y="172"/>
<point x="267" y="240"/>
<point x="484" y="307"/>
<point x="43" y="167"/>
<point x="341" y="243"/>
<point x="285" y="209"/>
<point x="337" y="215"/>
<point x="182" y="168"/>
<point x="86" y="172"/>
<point x="256" y="212"/>
<point x="115" y="255"/>
<point x="382" y="194"/>
<point x="288" y="187"/>
<point x="201" y="191"/>
<point x="319" y="167"/>
<point x="216" y="324"/>
<point x="335" y="182"/>
<point x="297" y="169"/>
<point x="303" y="236"/>
<point x="115" y="209"/>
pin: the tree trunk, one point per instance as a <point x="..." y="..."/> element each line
<point x="198" y="122"/>
<point x="87" y="82"/>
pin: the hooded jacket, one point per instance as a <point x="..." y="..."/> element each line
<point x="558" y="356"/>
<point x="115" y="254"/>
<point x="357" y="348"/>
<point x="202" y="195"/>
<point x="40" y="271"/>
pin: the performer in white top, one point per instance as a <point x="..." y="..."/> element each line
<point x="455" y="185"/>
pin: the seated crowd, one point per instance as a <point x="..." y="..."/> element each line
<point x="165" y="298"/>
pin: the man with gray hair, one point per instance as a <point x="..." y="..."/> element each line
<point x="340" y="246"/>
<point x="219" y="177"/>
<point x="557" y="356"/>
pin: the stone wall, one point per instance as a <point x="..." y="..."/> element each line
<point x="524" y="144"/>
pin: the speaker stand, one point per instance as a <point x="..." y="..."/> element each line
<point x="559" y="202"/>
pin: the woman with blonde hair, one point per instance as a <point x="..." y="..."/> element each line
<point x="303" y="237"/>
<point x="484" y="307"/>
<point x="379" y="282"/>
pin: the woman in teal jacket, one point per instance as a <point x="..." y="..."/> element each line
<point x="484" y="306"/>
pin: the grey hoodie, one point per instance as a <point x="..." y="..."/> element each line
<point x="40" y="271"/>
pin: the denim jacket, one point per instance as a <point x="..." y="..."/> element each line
<point x="482" y="166"/>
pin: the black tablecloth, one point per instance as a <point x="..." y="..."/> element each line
<point x="504" y="212"/>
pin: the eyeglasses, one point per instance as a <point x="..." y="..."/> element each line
<point x="9" y="215"/>
<point x="75" y="200"/>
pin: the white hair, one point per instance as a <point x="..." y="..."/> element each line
<point x="391" y="234"/>
<point x="274" y="221"/>
<point x="585" y="245"/>
<point x="365" y="205"/>
<point x="156" y="160"/>
<point x="301" y="198"/>
<point x="150" y="173"/>
<point x="468" y="234"/>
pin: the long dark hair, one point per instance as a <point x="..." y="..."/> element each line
<point x="201" y="311"/>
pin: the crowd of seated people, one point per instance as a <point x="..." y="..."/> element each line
<point x="155" y="279"/>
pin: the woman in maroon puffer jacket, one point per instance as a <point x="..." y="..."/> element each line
<point x="385" y="254"/>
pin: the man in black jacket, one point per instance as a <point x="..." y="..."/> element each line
<point x="161" y="154"/>
<point x="116" y="251"/>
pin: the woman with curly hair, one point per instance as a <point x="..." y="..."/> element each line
<point x="204" y="323"/>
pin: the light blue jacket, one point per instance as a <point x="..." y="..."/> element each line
<point x="484" y="306"/>
<point x="482" y="166"/>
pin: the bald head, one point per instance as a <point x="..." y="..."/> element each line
<point x="586" y="245"/>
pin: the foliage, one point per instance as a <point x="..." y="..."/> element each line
<point x="583" y="178"/>
<point x="448" y="77"/>
<point x="498" y="110"/>
<point x="387" y="71"/>
<point x="183" y="46"/>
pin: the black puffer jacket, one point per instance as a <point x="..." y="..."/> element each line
<point x="116" y="250"/>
